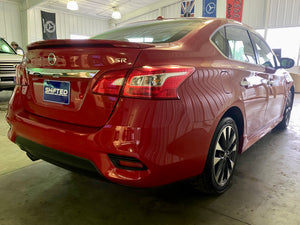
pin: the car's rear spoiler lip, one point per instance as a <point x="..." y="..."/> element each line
<point x="65" y="43"/>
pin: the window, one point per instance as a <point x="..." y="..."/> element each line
<point x="287" y="39"/>
<point x="5" y="48"/>
<point x="265" y="55"/>
<point x="219" y="39"/>
<point x="240" y="47"/>
<point x="153" y="32"/>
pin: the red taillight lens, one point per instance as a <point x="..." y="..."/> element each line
<point x="21" y="76"/>
<point x="127" y="163"/>
<point x="124" y="163"/>
<point x="156" y="82"/>
<point x="145" y="82"/>
<point x="110" y="83"/>
<point x="21" y="73"/>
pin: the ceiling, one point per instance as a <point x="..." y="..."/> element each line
<point x="98" y="8"/>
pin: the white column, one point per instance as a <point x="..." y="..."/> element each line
<point x="267" y="18"/>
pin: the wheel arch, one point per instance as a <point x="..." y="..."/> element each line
<point x="293" y="91"/>
<point x="236" y="114"/>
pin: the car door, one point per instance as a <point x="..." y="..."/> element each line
<point x="275" y="79"/>
<point x="253" y="82"/>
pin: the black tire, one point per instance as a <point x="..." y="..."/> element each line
<point x="221" y="160"/>
<point x="287" y="112"/>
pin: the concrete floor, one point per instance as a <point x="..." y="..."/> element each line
<point x="265" y="190"/>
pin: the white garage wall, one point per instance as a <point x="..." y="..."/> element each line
<point x="10" y="23"/>
<point x="284" y="13"/>
<point x="254" y="13"/>
<point x="148" y="16"/>
<point x="66" y="24"/>
<point x="173" y="11"/>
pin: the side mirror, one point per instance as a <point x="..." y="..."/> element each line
<point x="286" y="63"/>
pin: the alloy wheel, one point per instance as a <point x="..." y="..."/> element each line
<point x="225" y="153"/>
<point x="288" y="109"/>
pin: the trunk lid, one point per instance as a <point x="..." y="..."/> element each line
<point x="62" y="73"/>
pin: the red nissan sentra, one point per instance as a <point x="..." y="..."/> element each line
<point x="151" y="103"/>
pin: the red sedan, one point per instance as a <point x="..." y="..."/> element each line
<point x="151" y="103"/>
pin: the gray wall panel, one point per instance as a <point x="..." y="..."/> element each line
<point x="284" y="13"/>
<point x="67" y="24"/>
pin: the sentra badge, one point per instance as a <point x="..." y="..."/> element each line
<point x="51" y="59"/>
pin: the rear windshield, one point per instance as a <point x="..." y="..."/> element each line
<point x="5" y="48"/>
<point x="152" y="32"/>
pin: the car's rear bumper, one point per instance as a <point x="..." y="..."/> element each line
<point x="74" y="163"/>
<point x="170" y="149"/>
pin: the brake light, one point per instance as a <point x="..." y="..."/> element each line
<point x="21" y="73"/>
<point x="110" y="83"/>
<point x="21" y="76"/>
<point x="145" y="82"/>
<point x="156" y="82"/>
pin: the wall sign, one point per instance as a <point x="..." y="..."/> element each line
<point x="48" y="25"/>
<point x="188" y="9"/>
<point x="209" y="8"/>
<point x="234" y="9"/>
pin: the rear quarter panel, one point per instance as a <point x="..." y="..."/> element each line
<point x="204" y="97"/>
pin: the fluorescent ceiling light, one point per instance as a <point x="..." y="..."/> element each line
<point x="116" y="14"/>
<point x="72" y="5"/>
<point x="141" y="39"/>
<point x="77" y="36"/>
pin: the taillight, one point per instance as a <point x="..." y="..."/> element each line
<point x="21" y="73"/>
<point x="110" y="83"/>
<point x="156" y="82"/>
<point x="21" y="76"/>
<point x="145" y="82"/>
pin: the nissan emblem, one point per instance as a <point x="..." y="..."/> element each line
<point x="51" y="59"/>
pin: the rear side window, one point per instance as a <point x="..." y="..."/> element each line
<point x="219" y="39"/>
<point x="265" y="55"/>
<point x="240" y="46"/>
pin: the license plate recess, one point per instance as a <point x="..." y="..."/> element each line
<point x="56" y="92"/>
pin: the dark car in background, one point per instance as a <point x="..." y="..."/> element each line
<point x="151" y="103"/>
<point x="9" y="60"/>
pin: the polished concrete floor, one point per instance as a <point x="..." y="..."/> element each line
<point x="265" y="190"/>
